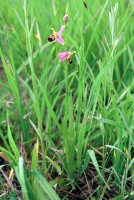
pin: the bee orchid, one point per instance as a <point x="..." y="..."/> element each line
<point x="57" y="36"/>
<point x="65" y="56"/>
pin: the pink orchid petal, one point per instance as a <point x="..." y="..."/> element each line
<point x="61" y="30"/>
<point x="65" y="53"/>
<point x="60" y="39"/>
<point x="62" y="58"/>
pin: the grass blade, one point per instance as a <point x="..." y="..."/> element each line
<point x="42" y="183"/>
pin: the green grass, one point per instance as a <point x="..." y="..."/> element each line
<point x="67" y="129"/>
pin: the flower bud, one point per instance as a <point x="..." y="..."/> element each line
<point x="66" y="18"/>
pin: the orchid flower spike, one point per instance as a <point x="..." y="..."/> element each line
<point x="66" y="56"/>
<point x="57" y="36"/>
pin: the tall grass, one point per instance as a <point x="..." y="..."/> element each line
<point x="62" y="122"/>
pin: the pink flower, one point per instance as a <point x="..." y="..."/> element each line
<point x="57" y="36"/>
<point x="65" y="56"/>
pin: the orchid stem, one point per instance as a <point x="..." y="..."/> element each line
<point x="66" y="94"/>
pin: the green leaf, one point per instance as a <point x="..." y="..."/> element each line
<point x="55" y="165"/>
<point x="20" y="173"/>
<point x="42" y="183"/>
<point x="12" y="143"/>
<point x="115" y="148"/>
<point x="9" y="155"/>
<point x="86" y="162"/>
<point x="49" y="106"/>
<point x="34" y="164"/>
<point x="93" y="158"/>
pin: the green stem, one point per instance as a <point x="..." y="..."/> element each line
<point x="66" y="95"/>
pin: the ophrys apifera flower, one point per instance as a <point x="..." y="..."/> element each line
<point x="56" y="36"/>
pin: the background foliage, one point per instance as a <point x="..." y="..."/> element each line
<point x="64" y="126"/>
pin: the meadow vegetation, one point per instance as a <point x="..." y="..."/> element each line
<point x="67" y="130"/>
